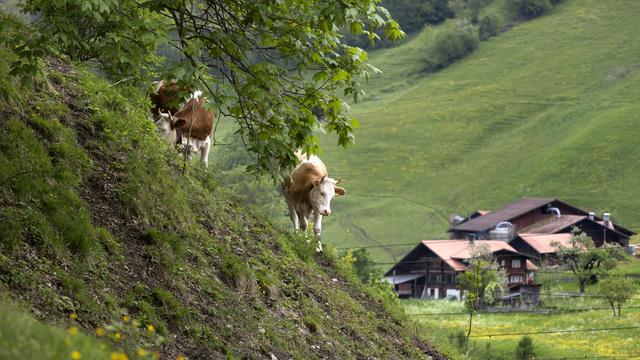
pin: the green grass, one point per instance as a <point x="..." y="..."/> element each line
<point x="568" y="344"/>
<point x="23" y="337"/>
<point x="97" y="219"/>
<point x="548" y="108"/>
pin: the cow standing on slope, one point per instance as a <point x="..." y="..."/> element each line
<point x="195" y="135"/>
<point x="308" y="191"/>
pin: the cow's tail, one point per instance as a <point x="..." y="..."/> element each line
<point x="300" y="155"/>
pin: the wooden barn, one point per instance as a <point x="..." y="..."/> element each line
<point x="431" y="269"/>
<point x="538" y="216"/>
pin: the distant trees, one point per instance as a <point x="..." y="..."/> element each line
<point x="450" y="45"/>
<point x="585" y="261"/>
<point x="267" y="64"/>
<point x="617" y="291"/>
<point x="412" y="15"/>
<point x="488" y="27"/>
<point x="529" y="8"/>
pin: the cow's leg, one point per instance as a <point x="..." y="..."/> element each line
<point x="317" y="228"/>
<point x="204" y="153"/>
<point x="304" y="221"/>
<point x="294" y="216"/>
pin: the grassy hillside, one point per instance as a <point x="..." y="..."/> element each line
<point x="107" y="250"/>
<point x="548" y="108"/>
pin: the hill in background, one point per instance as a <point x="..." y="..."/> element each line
<point x="548" y="108"/>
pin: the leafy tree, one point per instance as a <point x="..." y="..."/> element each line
<point x="469" y="8"/>
<point x="524" y="351"/>
<point x="585" y="261"/>
<point x="265" y="63"/>
<point x="529" y="8"/>
<point x="617" y="291"/>
<point x="414" y="14"/>
<point x="488" y="27"/>
<point x="364" y="266"/>
<point x="450" y="45"/>
<point x="475" y="281"/>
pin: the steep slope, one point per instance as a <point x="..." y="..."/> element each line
<point x="101" y="233"/>
<point x="549" y="108"/>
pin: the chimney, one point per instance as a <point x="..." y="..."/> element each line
<point x="605" y="219"/>
<point x="592" y="215"/>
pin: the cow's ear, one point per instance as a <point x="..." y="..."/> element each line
<point x="179" y="122"/>
<point x="340" y="191"/>
<point x="316" y="183"/>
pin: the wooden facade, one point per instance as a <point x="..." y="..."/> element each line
<point x="431" y="269"/>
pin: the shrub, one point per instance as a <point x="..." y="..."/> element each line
<point x="488" y="27"/>
<point x="524" y="351"/>
<point x="450" y="46"/>
<point x="530" y="8"/>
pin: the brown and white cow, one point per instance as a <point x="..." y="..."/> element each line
<point x="308" y="191"/>
<point x="197" y="136"/>
<point x="167" y="97"/>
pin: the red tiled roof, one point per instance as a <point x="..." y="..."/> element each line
<point x="452" y="251"/>
<point x="542" y="243"/>
<point x="531" y="266"/>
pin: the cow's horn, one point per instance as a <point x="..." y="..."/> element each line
<point x="338" y="181"/>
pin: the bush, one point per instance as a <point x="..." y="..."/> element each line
<point x="450" y="46"/>
<point x="524" y="351"/>
<point x="530" y="8"/>
<point x="488" y="27"/>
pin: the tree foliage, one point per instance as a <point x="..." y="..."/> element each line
<point x="529" y="8"/>
<point x="265" y="63"/>
<point x="474" y="282"/>
<point x="585" y="261"/>
<point x="414" y="14"/>
<point x="450" y="45"/>
<point x="524" y="351"/>
<point x="617" y="291"/>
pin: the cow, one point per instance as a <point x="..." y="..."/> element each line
<point x="308" y="191"/>
<point x="167" y="97"/>
<point x="196" y="137"/>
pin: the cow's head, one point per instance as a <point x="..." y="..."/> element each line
<point x="323" y="191"/>
<point x="165" y="127"/>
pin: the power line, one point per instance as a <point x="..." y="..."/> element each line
<point x="592" y="357"/>
<point x="554" y="332"/>
<point x="542" y="311"/>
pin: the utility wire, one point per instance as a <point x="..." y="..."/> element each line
<point x="593" y="357"/>
<point x="555" y="332"/>
<point x="541" y="311"/>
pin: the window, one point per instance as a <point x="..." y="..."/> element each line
<point x="516" y="279"/>
<point x="515" y="263"/>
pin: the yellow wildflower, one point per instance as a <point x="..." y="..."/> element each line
<point x="142" y="352"/>
<point x="100" y="331"/>
<point x="119" y="356"/>
<point x="73" y="330"/>
<point x="117" y="335"/>
<point x="150" y="328"/>
<point x="73" y="316"/>
<point x="75" y="355"/>
<point x="156" y="355"/>
<point x="181" y="358"/>
<point x="125" y="318"/>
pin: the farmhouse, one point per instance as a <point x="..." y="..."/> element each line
<point x="538" y="216"/>
<point x="540" y="247"/>
<point x="431" y="269"/>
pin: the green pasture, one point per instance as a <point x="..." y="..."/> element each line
<point x="548" y="108"/>
<point x="446" y="329"/>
